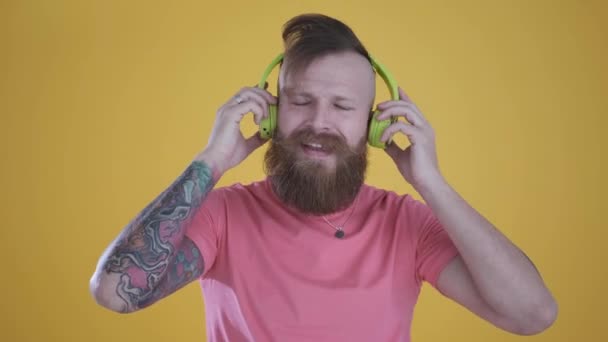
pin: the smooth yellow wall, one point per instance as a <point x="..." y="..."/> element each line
<point x="103" y="104"/>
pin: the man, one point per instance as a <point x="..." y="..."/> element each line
<point x="311" y="252"/>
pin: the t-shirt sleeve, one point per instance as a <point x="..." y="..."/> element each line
<point x="434" y="248"/>
<point x="205" y="229"/>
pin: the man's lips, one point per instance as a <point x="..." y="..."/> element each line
<point x="315" y="150"/>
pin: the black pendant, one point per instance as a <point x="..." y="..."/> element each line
<point x="339" y="234"/>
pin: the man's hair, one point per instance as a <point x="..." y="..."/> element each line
<point x="309" y="36"/>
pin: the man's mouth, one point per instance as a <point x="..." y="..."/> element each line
<point x="315" y="150"/>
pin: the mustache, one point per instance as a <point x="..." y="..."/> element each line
<point x="330" y="142"/>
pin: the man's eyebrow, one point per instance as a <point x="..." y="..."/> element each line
<point x="343" y="98"/>
<point x="294" y="91"/>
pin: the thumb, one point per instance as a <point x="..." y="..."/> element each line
<point x="393" y="150"/>
<point x="254" y="142"/>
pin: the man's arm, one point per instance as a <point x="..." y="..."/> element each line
<point x="492" y="277"/>
<point x="152" y="258"/>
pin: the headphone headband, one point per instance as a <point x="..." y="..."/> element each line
<point x="380" y="69"/>
<point x="278" y="59"/>
<point x="387" y="77"/>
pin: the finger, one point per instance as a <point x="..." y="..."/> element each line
<point x="265" y="94"/>
<point x="402" y="111"/>
<point x="393" y="103"/>
<point x="247" y="94"/>
<point x="403" y="95"/>
<point x="389" y="104"/>
<point x="404" y="98"/>
<point x="237" y="112"/>
<point x="393" y="150"/>
<point x="407" y="99"/>
<point x="410" y="131"/>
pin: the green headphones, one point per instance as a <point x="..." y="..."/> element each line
<point x="268" y="125"/>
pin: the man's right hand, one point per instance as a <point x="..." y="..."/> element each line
<point x="227" y="146"/>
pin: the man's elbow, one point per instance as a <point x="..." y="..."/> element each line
<point x="541" y="320"/>
<point x="104" y="291"/>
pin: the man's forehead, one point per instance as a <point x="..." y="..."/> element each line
<point x="310" y="90"/>
<point x="345" y="65"/>
<point x="349" y="88"/>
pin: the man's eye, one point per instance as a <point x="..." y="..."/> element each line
<point x="343" y="107"/>
<point x="300" y="103"/>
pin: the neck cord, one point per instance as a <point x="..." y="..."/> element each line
<point x="340" y="229"/>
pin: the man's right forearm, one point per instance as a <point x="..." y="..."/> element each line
<point x="135" y="263"/>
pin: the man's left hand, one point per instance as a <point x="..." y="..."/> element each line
<point x="418" y="162"/>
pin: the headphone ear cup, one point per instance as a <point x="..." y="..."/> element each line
<point x="268" y="125"/>
<point x="376" y="129"/>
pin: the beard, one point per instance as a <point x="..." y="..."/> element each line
<point x="308" y="184"/>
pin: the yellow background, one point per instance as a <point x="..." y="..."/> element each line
<point x="104" y="103"/>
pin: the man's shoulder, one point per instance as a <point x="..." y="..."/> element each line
<point x="235" y="196"/>
<point x="373" y="193"/>
<point x="240" y="189"/>
<point x="390" y="202"/>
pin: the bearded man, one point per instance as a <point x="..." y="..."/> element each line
<point x="311" y="252"/>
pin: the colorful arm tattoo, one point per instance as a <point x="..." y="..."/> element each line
<point x="152" y="255"/>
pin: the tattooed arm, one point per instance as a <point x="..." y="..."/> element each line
<point x="152" y="258"/>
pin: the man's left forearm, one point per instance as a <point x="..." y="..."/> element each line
<point x="505" y="277"/>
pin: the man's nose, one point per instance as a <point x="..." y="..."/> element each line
<point x="320" y="118"/>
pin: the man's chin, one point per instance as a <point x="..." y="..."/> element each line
<point x="327" y="161"/>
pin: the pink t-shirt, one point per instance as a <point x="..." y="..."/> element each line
<point x="274" y="274"/>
